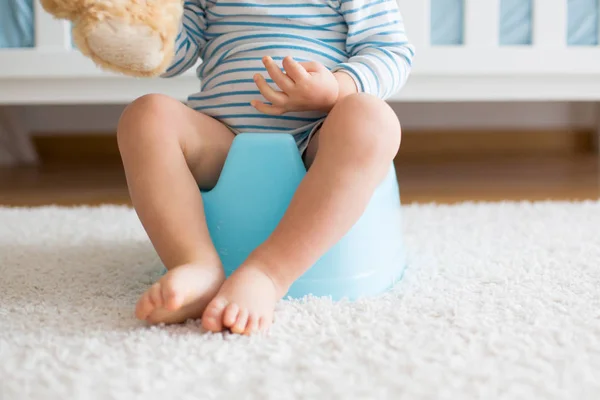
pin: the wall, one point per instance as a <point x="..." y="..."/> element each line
<point x="66" y="119"/>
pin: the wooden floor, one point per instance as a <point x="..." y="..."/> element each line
<point x="500" y="178"/>
<point x="422" y="179"/>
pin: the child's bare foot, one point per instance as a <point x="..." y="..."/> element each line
<point x="181" y="294"/>
<point x="245" y="303"/>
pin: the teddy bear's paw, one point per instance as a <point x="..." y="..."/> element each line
<point x="63" y="9"/>
<point x="122" y="46"/>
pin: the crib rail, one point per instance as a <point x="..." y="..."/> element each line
<point x="478" y="69"/>
<point x="481" y="54"/>
<point x="50" y="33"/>
<point x="549" y="24"/>
<point x="481" y="24"/>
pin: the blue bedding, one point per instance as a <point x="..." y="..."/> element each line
<point x="583" y="23"/>
<point x="16" y="22"/>
<point x="515" y="22"/>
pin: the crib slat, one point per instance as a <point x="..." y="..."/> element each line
<point x="598" y="38"/>
<point x="417" y="21"/>
<point x="550" y="23"/>
<point x="481" y="23"/>
<point x="50" y="32"/>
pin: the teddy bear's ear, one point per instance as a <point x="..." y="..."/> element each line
<point x="63" y="9"/>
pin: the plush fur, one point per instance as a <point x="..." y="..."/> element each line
<point x="131" y="37"/>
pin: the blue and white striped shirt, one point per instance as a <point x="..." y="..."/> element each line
<point x="364" y="38"/>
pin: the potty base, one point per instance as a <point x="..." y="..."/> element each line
<point x="257" y="183"/>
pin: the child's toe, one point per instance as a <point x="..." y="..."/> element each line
<point x="264" y="324"/>
<point x="156" y="295"/>
<point x="240" y="323"/>
<point x="143" y="307"/>
<point x="212" y="318"/>
<point x="252" y="326"/>
<point x="230" y="315"/>
<point x="170" y="298"/>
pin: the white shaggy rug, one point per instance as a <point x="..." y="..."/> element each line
<point x="501" y="301"/>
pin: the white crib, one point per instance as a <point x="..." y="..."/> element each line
<point x="52" y="72"/>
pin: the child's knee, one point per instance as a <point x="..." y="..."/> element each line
<point x="144" y="115"/>
<point x="370" y="125"/>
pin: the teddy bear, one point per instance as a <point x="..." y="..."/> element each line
<point x="131" y="37"/>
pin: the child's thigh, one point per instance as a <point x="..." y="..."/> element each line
<point x="177" y="130"/>
<point x="311" y="149"/>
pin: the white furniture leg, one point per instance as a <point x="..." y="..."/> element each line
<point x="16" y="147"/>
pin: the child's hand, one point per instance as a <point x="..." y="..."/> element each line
<point x="306" y="86"/>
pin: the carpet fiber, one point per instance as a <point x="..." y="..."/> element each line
<point x="500" y="301"/>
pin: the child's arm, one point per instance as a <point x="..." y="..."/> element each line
<point x="190" y="40"/>
<point x="380" y="54"/>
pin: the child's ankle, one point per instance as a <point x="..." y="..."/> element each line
<point x="201" y="261"/>
<point x="275" y="269"/>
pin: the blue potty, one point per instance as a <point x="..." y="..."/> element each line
<point x="257" y="183"/>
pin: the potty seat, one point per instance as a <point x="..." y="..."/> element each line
<point x="259" y="178"/>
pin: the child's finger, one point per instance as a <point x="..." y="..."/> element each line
<point x="267" y="109"/>
<point x="312" y="66"/>
<point x="275" y="97"/>
<point x="294" y="69"/>
<point x="282" y="80"/>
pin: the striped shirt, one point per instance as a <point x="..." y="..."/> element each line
<point x="364" y="38"/>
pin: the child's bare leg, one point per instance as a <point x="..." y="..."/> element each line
<point x="168" y="151"/>
<point x="356" y="146"/>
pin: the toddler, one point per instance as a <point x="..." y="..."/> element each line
<point x="319" y="70"/>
